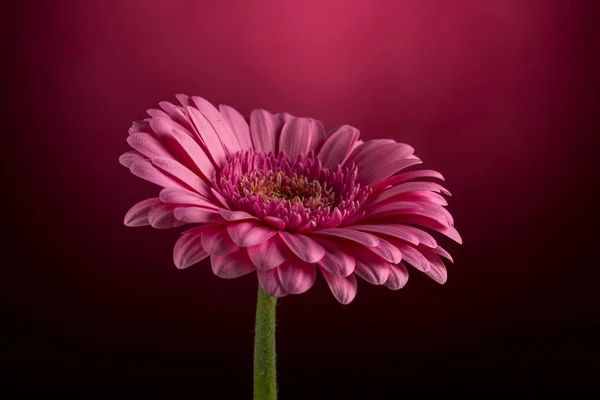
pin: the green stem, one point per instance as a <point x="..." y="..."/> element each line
<point x="265" y="386"/>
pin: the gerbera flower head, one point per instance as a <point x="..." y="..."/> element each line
<point x="278" y="195"/>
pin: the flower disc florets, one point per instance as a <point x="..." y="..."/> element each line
<point x="298" y="195"/>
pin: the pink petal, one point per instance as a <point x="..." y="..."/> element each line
<point x="264" y="130"/>
<point x="157" y="113"/>
<point x="303" y="246"/>
<point x="269" y="254"/>
<point x="423" y="173"/>
<point x="371" y="267"/>
<point x="387" y="251"/>
<point x="397" y="277"/>
<point x="394" y="230"/>
<point x="413" y="257"/>
<point x="183" y="196"/>
<point x="270" y="281"/>
<point x="182" y="144"/>
<point x="436" y="215"/>
<point x="219" y="124"/>
<point x="219" y="197"/>
<point x="208" y="135"/>
<point x="236" y="215"/>
<point x="177" y="114"/>
<point x="232" y="265"/>
<point x="179" y="171"/>
<point x="386" y="150"/>
<point x="432" y="211"/>
<point x="163" y="126"/>
<point x="197" y="215"/>
<point x="452" y="233"/>
<point x="249" y="234"/>
<point x="317" y="137"/>
<point x="356" y="145"/>
<point x="216" y="241"/>
<point x="398" y="207"/>
<point x="195" y="153"/>
<point x="366" y="239"/>
<point x="409" y="187"/>
<point x="297" y="276"/>
<point x="184" y="99"/>
<point x="275" y="222"/>
<point x="127" y="159"/>
<point x="421" y="196"/>
<point x="299" y="135"/>
<point x="188" y="249"/>
<point x="141" y="126"/>
<point x="448" y="231"/>
<point x="146" y="170"/>
<point x="334" y="219"/>
<point x="437" y="270"/>
<point x="375" y="175"/>
<point x="440" y="251"/>
<point x="336" y="260"/>
<point x="424" y="237"/>
<point x="434" y="208"/>
<point x="138" y="214"/>
<point x="363" y="150"/>
<point x="307" y="227"/>
<point x="161" y="217"/>
<point x="377" y="159"/>
<point x="343" y="288"/>
<point x="239" y="126"/>
<point x="147" y="145"/>
<point x="337" y="147"/>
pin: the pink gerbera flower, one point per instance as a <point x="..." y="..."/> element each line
<point x="279" y="195"/>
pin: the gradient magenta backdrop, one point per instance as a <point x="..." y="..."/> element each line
<point x="494" y="94"/>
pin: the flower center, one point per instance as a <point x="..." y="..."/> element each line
<point x="296" y="195"/>
<point x="297" y="189"/>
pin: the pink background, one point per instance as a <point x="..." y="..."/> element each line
<point x="497" y="95"/>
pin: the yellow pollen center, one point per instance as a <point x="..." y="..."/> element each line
<point x="277" y="186"/>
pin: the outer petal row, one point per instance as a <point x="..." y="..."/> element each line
<point x="280" y="272"/>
